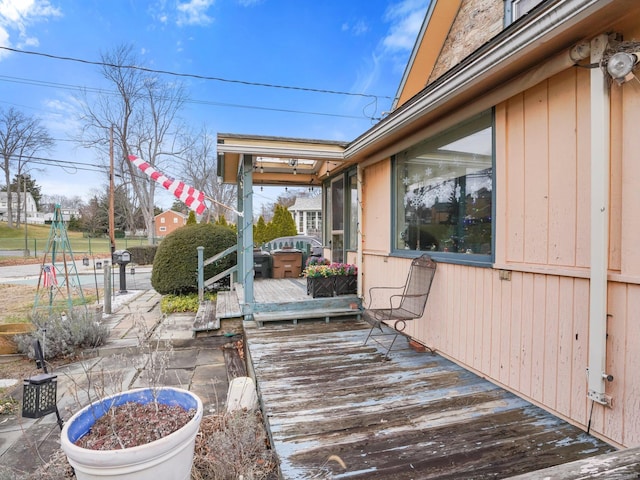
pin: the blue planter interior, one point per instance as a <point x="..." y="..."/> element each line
<point x="85" y="420"/>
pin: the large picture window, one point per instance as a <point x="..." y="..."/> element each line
<point x="444" y="191"/>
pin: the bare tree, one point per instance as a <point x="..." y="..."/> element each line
<point x="199" y="170"/>
<point x="143" y="115"/>
<point x="21" y="137"/>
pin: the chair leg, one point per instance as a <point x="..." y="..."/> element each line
<point x="386" y="355"/>
<point x="369" y="336"/>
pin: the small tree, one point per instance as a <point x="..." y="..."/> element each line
<point x="221" y="221"/>
<point x="260" y="232"/>
<point x="282" y="225"/>
<point x="191" y="220"/>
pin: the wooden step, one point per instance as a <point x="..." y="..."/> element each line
<point x="326" y="314"/>
<point x="206" y="318"/>
<point x="227" y="305"/>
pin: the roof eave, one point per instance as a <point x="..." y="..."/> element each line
<point x="514" y="44"/>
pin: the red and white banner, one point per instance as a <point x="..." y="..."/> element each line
<point x="192" y="198"/>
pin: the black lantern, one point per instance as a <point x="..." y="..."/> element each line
<point x="98" y="264"/>
<point x="133" y="270"/>
<point x="39" y="395"/>
<point x="85" y="261"/>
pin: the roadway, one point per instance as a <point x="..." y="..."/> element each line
<point x="88" y="276"/>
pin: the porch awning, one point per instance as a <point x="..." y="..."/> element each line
<point x="279" y="160"/>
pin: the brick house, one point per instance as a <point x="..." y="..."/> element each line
<point x="168" y="221"/>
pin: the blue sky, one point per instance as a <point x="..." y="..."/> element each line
<point x="358" y="46"/>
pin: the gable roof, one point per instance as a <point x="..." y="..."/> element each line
<point x="178" y="214"/>
<point x="431" y="38"/>
<point x="307" y="203"/>
<point x="520" y="56"/>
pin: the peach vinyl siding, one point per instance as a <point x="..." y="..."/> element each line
<point x="376" y="193"/>
<point x="546" y="177"/>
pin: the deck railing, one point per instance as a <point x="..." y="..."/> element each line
<point x="202" y="283"/>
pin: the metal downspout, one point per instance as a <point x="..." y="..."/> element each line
<point x="600" y="153"/>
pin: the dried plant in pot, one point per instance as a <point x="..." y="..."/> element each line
<point x="139" y="434"/>
<point x="170" y="456"/>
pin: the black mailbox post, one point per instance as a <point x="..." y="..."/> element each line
<point x="122" y="258"/>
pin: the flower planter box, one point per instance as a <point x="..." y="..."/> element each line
<point x="168" y="457"/>
<point x="345" y="284"/>
<point x="320" y="286"/>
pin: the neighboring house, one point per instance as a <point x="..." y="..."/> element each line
<point x="66" y="214"/>
<point x="33" y="216"/>
<point x="307" y="213"/>
<point x="512" y="158"/>
<point x="167" y="222"/>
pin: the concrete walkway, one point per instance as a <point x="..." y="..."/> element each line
<point x="138" y="331"/>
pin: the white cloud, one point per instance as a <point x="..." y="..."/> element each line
<point x="194" y="12"/>
<point x="360" y="27"/>
<point x="18" y="16"/>
<point x="405" y="19"/>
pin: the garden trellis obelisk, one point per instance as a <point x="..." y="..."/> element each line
<point x="58" y="273"/>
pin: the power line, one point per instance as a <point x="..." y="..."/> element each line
<point x="196" y="76"/>
<point x="65" y="164"/>
<point x="64" y="86"/>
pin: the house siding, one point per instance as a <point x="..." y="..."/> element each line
<point x="530" y="333"/>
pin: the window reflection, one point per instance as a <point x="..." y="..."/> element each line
<point x="444" y="191"/>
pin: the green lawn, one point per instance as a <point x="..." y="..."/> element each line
<point x="37" y="236"/>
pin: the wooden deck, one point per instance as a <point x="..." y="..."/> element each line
<point x="417" y="416"/>
<point x="286" y="299"/>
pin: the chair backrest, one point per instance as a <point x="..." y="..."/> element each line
<point x="416" y="290"/>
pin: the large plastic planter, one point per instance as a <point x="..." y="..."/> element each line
<point x="168" y="457"/>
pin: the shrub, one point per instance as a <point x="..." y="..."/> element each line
<point x="175" y="267"/>
<point x="62" y="335"/>
<point x="143" y="254"/>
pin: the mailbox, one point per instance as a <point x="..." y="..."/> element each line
<point x="122" y="257"/>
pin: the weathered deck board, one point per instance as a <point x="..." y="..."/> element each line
<point x="417" y="416"/>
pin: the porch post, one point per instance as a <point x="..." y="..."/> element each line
<point x="247" y="236"/>
<point x="240" y="207"/>
<point x="359" y="257"/>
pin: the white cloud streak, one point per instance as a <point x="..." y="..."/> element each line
<point x="405" y="19"/>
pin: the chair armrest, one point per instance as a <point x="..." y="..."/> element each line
<point x="380" y="288"/>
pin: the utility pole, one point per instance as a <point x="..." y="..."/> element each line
<point x="24" y="186"/>
<point x="112" y="234"/>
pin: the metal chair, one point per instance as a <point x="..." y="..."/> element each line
<point x="405" y="306"/>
